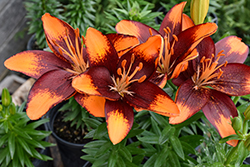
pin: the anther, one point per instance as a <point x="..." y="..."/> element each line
<point x="220" y="52"/>
<point x="202" y="59"/>
<point x="60" y="51"/>
<point x="140" y="66"/>
<point x="225" y="64"/>
<point x="132" y="58"/>
<point x="165" y="30"/>
<point x="168" y="46"/>
<point x="142" y="79"/>
<point x="119" y="71"/>
<point x="212" y="55"/>
<point x="169" y="31"/>
<point x="220" y="74"/>
<point x="175" y="38"/>
<point x="124" y="63"/>
<point x="172" y="51"/>
<point x="150" y="32"/>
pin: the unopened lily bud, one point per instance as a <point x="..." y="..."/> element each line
<point x="6" y="98"/>
<point x="236" y="123"/>
<point x="12" y="108"/>
<point x="1" y="108"/>
<point x="198" y="10"/>
<point x="247" y="113"/>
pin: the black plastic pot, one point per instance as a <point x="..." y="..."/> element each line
<point x="70" y="152"/>
<point x="87" y="164"/>
<point x="46" y="151"/>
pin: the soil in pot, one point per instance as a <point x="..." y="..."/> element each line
<point x="68" y="133"/>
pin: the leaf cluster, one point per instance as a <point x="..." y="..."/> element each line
<point x="19" y="137"/>
<point x="35" y="10"/>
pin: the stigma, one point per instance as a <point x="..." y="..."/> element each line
<point x="208" y="71"/>
<point x="125" y="77"/>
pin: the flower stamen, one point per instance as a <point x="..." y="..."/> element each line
<point x="207" y="71"/>
<point x="122" y="83"/>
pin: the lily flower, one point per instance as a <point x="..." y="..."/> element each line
<point x="218" y="74"/>
<point x="179" y="45"/>
<point x="125" y="85"/>
<point x="54" y="71"/>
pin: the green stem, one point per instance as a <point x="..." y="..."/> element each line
<point x="236" y="99"/>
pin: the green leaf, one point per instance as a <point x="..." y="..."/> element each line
<point x="177" y="147"/>
<point x="104" y="148"/>
<point x="161" y="157"/>
<point x="150" y="162"/>
<point x="93" y="123"/>
<point x="112" y="159"/>
<point x="12" y="144"/>
<point x="167" y="132"/>
<point x="173" y="159"/>
<point x="24" y="145"/>
<point x="124" y="152"/>
<point x="21" y="132"/>
<point x="155" y="127"/>
<point x="231" y="137"/>
<point x="149" y="139"/>
<point x="95" y="143"/>
<point x="193" y="140"/>
<point x="101" y="131"/>
<point x="159" y="119"/>
<point x="20" y="154"/>
<point x="3" y="154"/>
<point x="35" y="124"/>
<point x="4" y="139"/>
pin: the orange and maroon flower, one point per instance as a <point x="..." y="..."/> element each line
<point x="125" y="84"/>
<point x="210" y="81"/>
<point x="54" y="71"/>
<point x="179" y="45"/>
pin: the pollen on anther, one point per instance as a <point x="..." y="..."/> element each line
<point x="142" y="79"/>
<point x="202" y="59"/>
<point x="225" y="63"/>
<point x="175" y="38"/>
<point x="220" y="74"/>
<point x="60" y="51"/>
<point x="124" y="62"/>
<point x="150" y="31"/>
<point x="169" y="31"/>
<point x="119" y="71"/>
<point x="132" y="58"/>
<point x="140" y="66"/>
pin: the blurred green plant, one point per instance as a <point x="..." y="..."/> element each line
<point x="140" y="11"/>
<point x="35" y="10"/>
<point x="19" y="138"/>
<point x="80" y="14"/>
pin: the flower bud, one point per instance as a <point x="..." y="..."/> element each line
<point x="6" y="98"/>
<point x="12" y="108"/>
<point x="1" y="108"/>
<point x="237" y="123"/>
<point x="198" y="10"/>
<point x="247" y="113"/>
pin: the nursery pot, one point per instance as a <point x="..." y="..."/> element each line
<point x="70" y="152"/>
<point x="46" y="151"/>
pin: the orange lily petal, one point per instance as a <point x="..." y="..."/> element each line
<point x="35" y="63"/>
<point x="154" y="99"/>
<point x="190" y="38"/>
<point x="189" y="101"/>
<point x="145" y="54"/>
<point x="119" y="118"/>
<point x="187" y="22"/>
<point x="173" y="20"/>
<point x="122" y="43"/>
<point x="218" y="111"/>
<point x="235" y="51"/>
<point x="55" y="31"/>
<point x="100" y="49"/>
<point x="137" y="29"/>
<point x="44" y="95"/>
<point x="96" y="81"/>
<point x="235" y="80"/>
<point x="93" y="104"/>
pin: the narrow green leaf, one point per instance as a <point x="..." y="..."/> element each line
<point x="12" y="144"/>
<point x="20" y="154"/>
<point x="150" y="162"/>
<point x="104" y="148"/>
<point x="21" y="132"/>
<point x="161" y="157"/>
<point x="101" y="131"/>
<point x="35" y="124"/>
<point x="3" y="154"/>
<point x="24" y="145"/>
<point x="159" y="119"/>
<point x="173" y="159"/>
<point x="124" y="152"/>
<point x="95" y="143"/>
<point x="177" y="147"/>
<point x="149" y="139"/>
<point x="4" y="139"/>
<point x="167" y="132"/>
